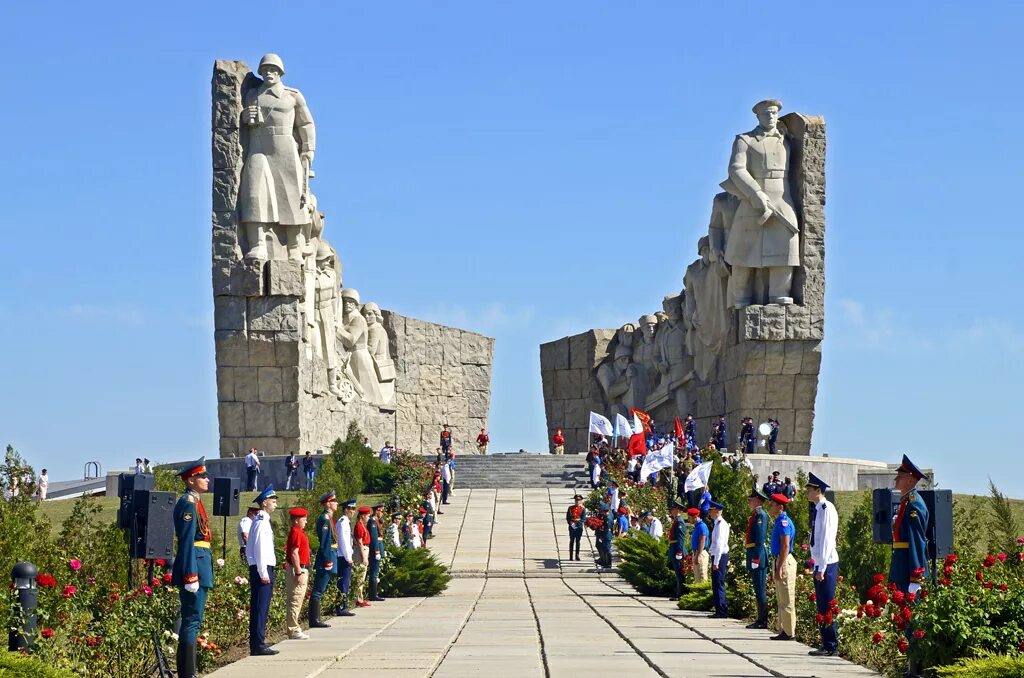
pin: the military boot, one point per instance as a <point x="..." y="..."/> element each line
<point x="315" y="622"/>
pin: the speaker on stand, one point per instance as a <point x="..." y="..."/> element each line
<point x="226" y="499"/>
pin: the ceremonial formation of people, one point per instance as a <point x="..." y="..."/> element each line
<point x="699" y="534"/>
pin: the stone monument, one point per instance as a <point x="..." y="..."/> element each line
<point x="743" y="337"/>
<point x="298" y="356"/>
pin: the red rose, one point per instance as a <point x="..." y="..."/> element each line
<point x="860" y="611"/>
<point x="820" y="618"/>
<point x="812" y="597"/>
<point x="910" y="597"/>
<point x="906" y="613"/>
<point x="1003" y="587"/>
<point x="989" y="561"/>
<point x="69" y="591"/>
<point x="902" y="645"/>
<point x="979" y="576"/>
<point x="877" y="638"/>
<point x="114" y="596"/>
<point x="167" y="578"/>
<point x="945" y="581"/>
<point x="828" y="617"/>
<point x="46" y="580"/>
<point x="46" y="633"/>
<point x="948" y="569"/>
<point x="919" y="634"/>
<point x="161" y="562"/>
<point x="897" y="597"/>
<point x="988" y="584"/>
<point x="878" y="579"/>
<point x="1020" y="540"/>
<point x="1001" y="557"/>
<point x="924" y="594"/>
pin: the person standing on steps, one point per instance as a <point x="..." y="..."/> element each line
<point x="677" y="544"/>
<point x="259" y="552"/>
<point x="326" y="563"/>
<point x="344" y="528"/>
<point x="699" y="540"/>
<point x="558" y="442"/>
<point x="446" y="440"/>
<point x="757" y="558"/>
<point x="826" y="561"/>
<point x="719" y="558"/>
<point x="192" y="571"/>
<point x="784" y="570"/>
<point x="574" y="516"/>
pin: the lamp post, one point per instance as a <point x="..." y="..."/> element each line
<point x="24" y="576"/>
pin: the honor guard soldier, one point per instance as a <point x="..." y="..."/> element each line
<point x="699" y="541"/>
<point x="326" y="563"/>
<point x="677" y="543"/>
<point x="784" y="566"/>
<point x="575" y="515"/>
<point x="909" y="564"/>
<point x="192" y="572"/>
<point x="344" y="527"/>
<point x="747" y="436"/>
<point x="296" y="552"/>
<point x="262" y="561"/>
<point x="757" y="557"/>
<point x="721" y="435"/>
<point x="603" y="537"/>
<point x="376" y="549"/>
<point x="719" y="559"/>
<point x="826" y="560"/>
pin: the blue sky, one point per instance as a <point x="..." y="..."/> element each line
<point x="526" y="170"/>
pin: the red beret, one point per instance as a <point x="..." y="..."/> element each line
<point x="365" y="510"/>
<point x="423" y="510"/>
<point x="298" y="512"/>
<point x="693" y="511"/>
<point x="623" y="510"/>
<point x="780" y="498"/>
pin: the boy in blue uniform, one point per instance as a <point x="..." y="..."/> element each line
<point x="376" y="550"/>
<point x="784" y="570"/>
<point x="909" y="564"/>
<point x="677" y="544"/>
<point x="757" y="558"/>
<point x="326" y="563"/>
<point x="699" y="542"/>
<point x="192" y="571"/>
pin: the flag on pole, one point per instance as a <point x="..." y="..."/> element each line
<point x="680" y="438"/>
<point x="600" y="424"/>
<point x="637" y="444"/>
<point x="622" y="427"/>
<point x="657" y="460"/>
<point x="643" y="418"/>
<point x="698" y="477"/>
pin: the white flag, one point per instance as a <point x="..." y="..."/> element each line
<point x="622" y="427"/>
<point x="698" y="477"/>
<point x="600" y="424"/>
<point x="638" y="426"/>
<point x="657" y="460"/>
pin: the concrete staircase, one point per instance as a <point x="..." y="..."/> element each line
<point x="520" y="470"/>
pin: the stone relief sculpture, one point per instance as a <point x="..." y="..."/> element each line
<point x="764" y="234"/>
<point x="613" y="374"/>
<point x="706" y="309"/>
<point x="643" y="372"/>
<point x="378" y="344"/>
<point x="326" y="282"/>
<point x="274" y="188"/>
<point x="673" y="363"/>
<point x="353" y="338"/>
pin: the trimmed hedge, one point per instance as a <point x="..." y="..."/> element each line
<point x="16" y="666"/>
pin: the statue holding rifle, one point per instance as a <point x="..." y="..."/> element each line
<point x="274" y="187"/>
<point x="764" y="233"/>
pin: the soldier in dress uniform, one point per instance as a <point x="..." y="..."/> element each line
<point x="326" y="563"/>
<point x="603" y="537"/>
<point x="376" y="549"/>
<point x="826" y="561"/>
<point x="721" y="435"/>
<point x="909" y="564"/>
<point x="259" y="551"/>
<point x="192" y="571"/>
<point x="747" y="435"/>
<point x="757" y="557"/>
<point x="345" y="554"/>
<point x="574" y="516"/>
<point x="784" y="568"/>
<point x="677" y="543"/>
<point x="719" y="554"/>
<point x="699" y="542"/>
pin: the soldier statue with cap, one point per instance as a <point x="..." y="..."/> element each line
<point x="765" y="231"/>
<point x="757" y="557"/>
<point x="192" y="571"/>
<point x="909" y="564"/>
<point x="353" y="339"/>
<point x="326" y="562"/>
<point x="260" y="553"/>
<point x="274" y="186"/>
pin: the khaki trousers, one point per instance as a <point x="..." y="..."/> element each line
<point x="785" y="592"/>
<point x="700" y="567"/>
<point x="295" y="585"/>
<point x="359" y="581"/>
<point x="559" y="449"/>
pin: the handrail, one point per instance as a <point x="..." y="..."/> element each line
<point x="90" y="465"/>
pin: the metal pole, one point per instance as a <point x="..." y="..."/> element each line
<point x="224" y="539"/>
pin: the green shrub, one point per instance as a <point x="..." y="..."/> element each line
<point x="697" y="597"/>
<point x="378" y="477"/>
<point x="413" y="572"/>
<point x="986" y="666"/>
<point x="644" y="564"/>
<point x="17" y="666"/>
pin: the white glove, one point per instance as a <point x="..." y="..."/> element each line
<point x="754" y="566"/>
<point x="679" y="556"/>
<point x="914" y="588"/>
<point x="193" y="587"/>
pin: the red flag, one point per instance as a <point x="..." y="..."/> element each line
<point x="679" y="432"/>
<point x="644" y="418"/>
<point x="637" y="444"/>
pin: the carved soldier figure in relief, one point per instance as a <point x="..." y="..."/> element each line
<point x="378" y="345"/>
<point x="275" y="176"/>
<point x="706" y="310"/>
<point x="325" y="316"/>
<point x="644" y="370"/>
<point x="765" y="231"/>
<point x="612" y="372"/>
<point x="674" y="364"/>
<point x="353" y="335"/>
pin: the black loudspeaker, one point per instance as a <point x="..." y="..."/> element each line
<point x="154" y="524"/>
<point x="940" y="522"/>
<point x="884" y="505"/>
<point x="127" y="484"/>
<point x="226" y="495"/>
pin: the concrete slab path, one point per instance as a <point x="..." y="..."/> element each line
<point x="517" y="608"/>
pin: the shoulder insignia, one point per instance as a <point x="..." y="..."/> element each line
<point x="784" y="523"/>
<point x="913" y="514"/>
<point x="191" y="498"/>
<point x="187" y="516"/>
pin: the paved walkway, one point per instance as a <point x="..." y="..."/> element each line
<point x="516" y="609"/>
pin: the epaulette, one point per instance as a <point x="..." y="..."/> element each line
<point x="190" y="497"/>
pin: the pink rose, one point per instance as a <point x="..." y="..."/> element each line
<point x="75" y="564"/>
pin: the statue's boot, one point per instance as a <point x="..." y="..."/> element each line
<point x="332" y="382"/>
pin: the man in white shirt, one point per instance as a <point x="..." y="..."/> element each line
<point x="42" y="485"/>
<point x="348" y="509"/>
<point x="386" y="452"/>
<point x="252" y="469"/>
<point x="259" y="551"/>
<point x="826" y="561"/>
<point x="652" y="525"/>
<point x="719" y="553"/>
<point x="243" y="529"/>
<point x="446" y="481"/>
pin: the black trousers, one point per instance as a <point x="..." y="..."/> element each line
<point x="259" y="607"/>
<point x="575" y="534"/>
